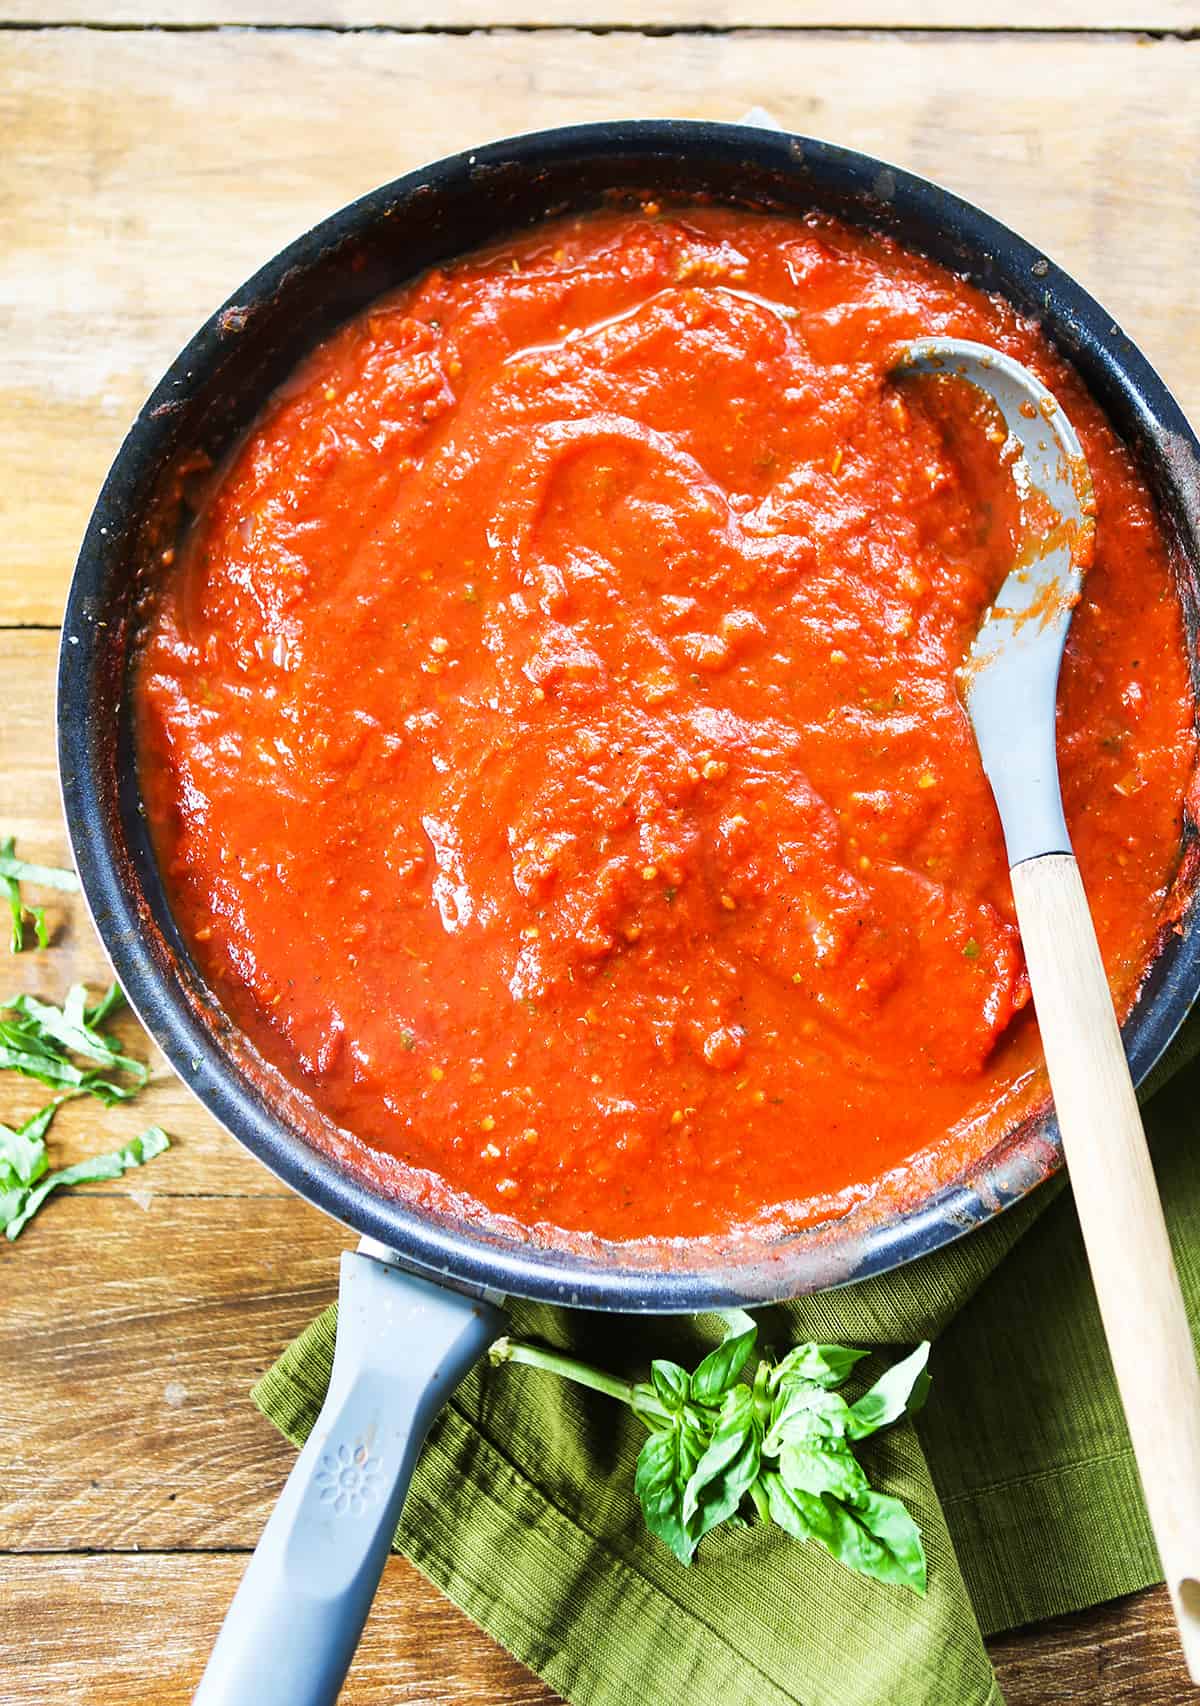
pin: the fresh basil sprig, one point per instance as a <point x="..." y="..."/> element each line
<point x="14" y="872"/>
<point x="780" y="1444"/>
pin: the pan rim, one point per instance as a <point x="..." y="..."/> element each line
<point x="458" y="1253"/>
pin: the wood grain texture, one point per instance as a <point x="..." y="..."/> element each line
<point x="130" y="1344"/>
<point x="158" y="170"/>
<point x="419" y="1650"/>
<point x="168" y="1610"/>
<point x="1097" y="15"/>
<point x="149" y="173"/>
<point x="1123" y="1654"/>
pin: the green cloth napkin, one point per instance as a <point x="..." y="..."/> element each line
<point x="1019" y="1472"/>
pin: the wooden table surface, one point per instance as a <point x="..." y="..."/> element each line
<point x="155" y="152"/>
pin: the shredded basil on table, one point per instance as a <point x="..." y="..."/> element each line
<point x="38" y="1039"/>
<point x="139" y="1150"/>
<point x="778" y="1444"/>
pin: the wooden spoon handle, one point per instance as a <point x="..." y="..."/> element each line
<point x="1134" y="1274"/>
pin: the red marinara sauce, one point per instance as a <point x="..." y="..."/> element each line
<point x="551" y="744"/>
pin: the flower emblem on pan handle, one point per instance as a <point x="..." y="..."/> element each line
<point x="348" y="1479"/>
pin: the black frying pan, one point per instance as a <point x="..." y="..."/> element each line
<point x="308" y="1587"/>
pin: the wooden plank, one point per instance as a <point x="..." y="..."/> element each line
<point x="204" y="1159"/>
<point x="1123" y="1654"/>
<point x="110" y="1630"/>
<point x="620" y="14"/>
<point x="106" y="1630"/>
<point x="131" y="1341"/>
<point x="175" y="163"/>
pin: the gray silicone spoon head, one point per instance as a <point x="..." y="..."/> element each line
<point x="1009" y="680"/>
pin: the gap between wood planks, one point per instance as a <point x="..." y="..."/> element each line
<point x="1159" y="17"/>
<point x="602" y="27"/>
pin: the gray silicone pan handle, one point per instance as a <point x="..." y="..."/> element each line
<point x="403" y="1345"/>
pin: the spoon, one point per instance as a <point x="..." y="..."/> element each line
<point x="1008" y="685"/>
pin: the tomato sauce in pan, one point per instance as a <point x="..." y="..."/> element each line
<point x="550" y="738"/>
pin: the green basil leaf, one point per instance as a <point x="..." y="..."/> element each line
<point x="694" y="1439"/>
<point x="899" y="1392"/>
<point x="736" y="1321"/>
<point x="13" y="872"/>
<point x="67" y="1027"/>
<point x="19" y="1032"/>
<point x="22" y="1157"/>
<point x="807" y="1516"/>
<point x="113" y="997"/>
<point x="720" y="1368"/>
<point x="849" y="1541"/>
<point x="13" y="869"/>
<point x="671" y="1383"/>
<point x="12" y="1201"/>
<point x="729" y="1466"/>
<point x="821" y="1466"/>
<point x="891" y="1524"/>
<point x="824" y="1365"/>
<point x="23" y="1151"/>
<point x="37" y="1125"/>
<point x="659" y="1483"/>
<point x="802" y="1412"/>
<point x="23" y="1055"/>
<point x="787" y="1509"/>
<point x="35" y="1037"/>
<point x="12" y="890"/>
<point x="141" y="1149"/>
<point x="96" y="1084"/>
